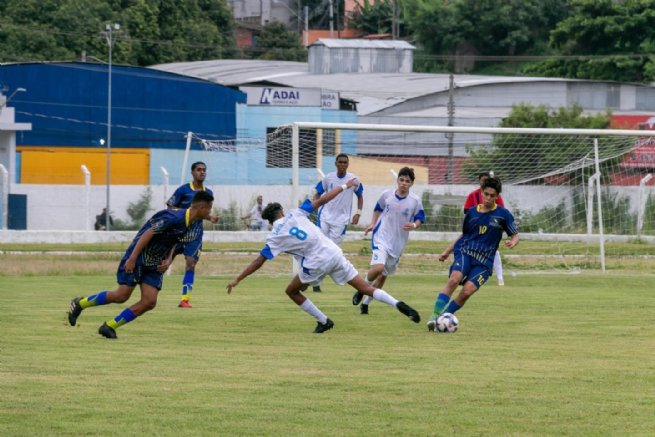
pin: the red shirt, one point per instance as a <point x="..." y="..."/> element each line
<point x="475" y="198"/>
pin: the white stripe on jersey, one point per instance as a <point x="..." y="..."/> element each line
<point x="388" y="231"/>
<point x="337" y="211"/>
<point x="296" y="235"/>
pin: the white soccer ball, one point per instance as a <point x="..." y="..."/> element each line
<point x="447" y="322"/>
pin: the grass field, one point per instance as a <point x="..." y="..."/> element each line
<point x="546" y="355"/>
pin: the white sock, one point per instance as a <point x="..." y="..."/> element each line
<point x="367" y="300"/>
<point x="498" y="266"/>
<point x="311" y="309"/>
<point x="383" y="296"/>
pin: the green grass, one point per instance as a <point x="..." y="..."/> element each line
<point x="547" y="355"/>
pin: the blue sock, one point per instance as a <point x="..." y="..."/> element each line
<point x="452" y="307"/>
<point x="440" y="303"/>
<point x="94" y="300"/>
<point x="126" y="316"/>
<point x="187" y="284"/>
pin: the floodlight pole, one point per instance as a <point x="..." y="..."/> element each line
<point x="109" y="35"/>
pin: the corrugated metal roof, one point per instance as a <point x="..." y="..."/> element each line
<point x="364" y="44"/>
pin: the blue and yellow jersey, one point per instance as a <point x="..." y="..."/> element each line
<point x="182" y="197"/>
<point x="482" y="232"/>
<point x="168" y="227"/>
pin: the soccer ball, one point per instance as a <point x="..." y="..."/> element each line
<point x="447" y="322"/>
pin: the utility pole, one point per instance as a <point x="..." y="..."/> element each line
<point x="331" y="12"/>
<point x="450" y="135"/>
<point x="110" y="36"/>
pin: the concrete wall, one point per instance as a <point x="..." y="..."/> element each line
<point x="64" y="207"/>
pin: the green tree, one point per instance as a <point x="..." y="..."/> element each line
<point x="509" y="27"/>
<point x="377" y="17"/>
<point x="509" y="149"/>
<point x="277" y="42"/>
<point x="612" y="39"/>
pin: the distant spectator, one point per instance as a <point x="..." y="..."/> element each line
<point x="257" y="223"/>
<point x="101" y="221"/>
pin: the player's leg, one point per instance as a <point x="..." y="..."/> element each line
<point x="378" y="259"/>
<point x="191" y="257"/>
<point x="78" y="304"/>
<point x="294" y="292"/>
<point x="378" y="294"/>
<point x="387" y="269"/>
<point x="478" y="275"/>
<point x="151" y="282"/>
<point x="458" y="271"/>
<point x="498" y="268"/>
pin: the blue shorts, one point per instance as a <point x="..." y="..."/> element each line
<point x="192" y="249"/>
<point x="471" y="269"/>
<point x="140" y="275"/>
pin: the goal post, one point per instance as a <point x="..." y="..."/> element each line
<point x="561" y="184"/>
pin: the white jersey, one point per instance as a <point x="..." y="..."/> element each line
<point x="296" y="235"/>
<point x="396" y="211"/>
<point x="337" y="211"/>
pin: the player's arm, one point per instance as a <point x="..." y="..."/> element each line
<point x="325" y="198"/>
<point x="513" y="241"/>
<point x="320" y="189"/>
<point x="360" y="205"/>
<point x="374" y="219"/>
<point x="249" y="270"/>
<point x="166" y="262"/>
<point x="443" y="256"/>
<point x="138" y="248"/>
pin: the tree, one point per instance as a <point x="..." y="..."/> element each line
<point x="508" y="149"/>
<point x="377" y="17"/>
<point x="277" y="42"/>
<point x="610" y="39"/>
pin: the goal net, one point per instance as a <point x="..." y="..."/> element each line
<point x="583" y="198"/>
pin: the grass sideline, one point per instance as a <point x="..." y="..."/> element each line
<point x="545" y="355"/>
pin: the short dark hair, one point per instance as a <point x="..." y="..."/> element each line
<point x="196" y="164"/>
<point x="494" y="183"/>
<point x="202" y="196"/>
<point x="341" y="155"/>
<point x="406" y="171"/>
<point x="271" y="212"/>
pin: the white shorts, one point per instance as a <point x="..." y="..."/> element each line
<point x="381" y="256"/>
<point x="339" y="269"/>
<point x="336" y="233"/>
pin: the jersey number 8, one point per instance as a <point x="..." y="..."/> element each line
<point x="298" y="233"/>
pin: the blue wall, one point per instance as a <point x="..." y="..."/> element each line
<point x="247" y="165"/>
<point x="67" y="105"/>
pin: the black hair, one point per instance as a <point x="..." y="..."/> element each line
<point x="485" y="174"/>
<point x="196" y="164"/>
<point x="493" y="183"/>
<point x="202" y="196"/>
<point x="406" y="171"/>
<point x="271" y="212"/>
<point x="341" y="155"/>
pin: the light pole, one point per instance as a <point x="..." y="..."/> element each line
<point x="109" y="35"/>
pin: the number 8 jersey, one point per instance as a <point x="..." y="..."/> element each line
<point x="296" y="235"/>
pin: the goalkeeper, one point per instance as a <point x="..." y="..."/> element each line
<point x="474" y="250"/>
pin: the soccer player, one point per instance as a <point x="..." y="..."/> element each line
<point x="257" y="223"/>
<point x="334" y="216"/>
<point x="396" y="213"/>
<point x="191" y="244"/>
<point x="317" y="255"/>
<point x="474" y="199"/>
<point x="474" y="250"/>
<point x="144" y="263"/>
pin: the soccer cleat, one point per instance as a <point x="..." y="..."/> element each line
<point x="357" y="298"/>
<point x="316" y="289"/>
<point x="363" y="309"/>
<point x="74" y="311"/>
<point x="185" y="304"/>
<point x="107" y="331"/>
<point x="408" y="311"/>
<point x="322" y="327"/>
<point x="432" y="324"/>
